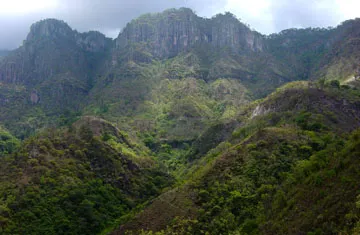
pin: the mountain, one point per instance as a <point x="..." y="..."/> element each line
<point x="180" y="125"/>
<point x="59" y="71"/>
<point x="50" y="74"/>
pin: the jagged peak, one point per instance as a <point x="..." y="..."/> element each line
<point x="49" y="28"/>
<point x="228" y="18"/>
<point x="172" y="14"/>
<point x="227" y="15"/>
<point x="93" y="33"/>
<point x="93" y="41"/>
<point x="168" y="12"/>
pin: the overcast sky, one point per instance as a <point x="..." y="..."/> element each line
<point x="109" y="16"/>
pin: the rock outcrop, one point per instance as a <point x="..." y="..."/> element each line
<point x="55" y="64"/>
<point x="174" y="31"/>
<point x="52" y="48"/>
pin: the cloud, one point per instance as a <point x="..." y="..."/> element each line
<point x="107" y="16"/>
<point x="110" y="16"/>
<point x="304" y="13"/>
<point x="256" y="13"/>
<point x="269" y="16"/>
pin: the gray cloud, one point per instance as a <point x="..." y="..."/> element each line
<point x="13" y="31"/>
<point x="109" y="15"/>
<point x="304" y="13"/>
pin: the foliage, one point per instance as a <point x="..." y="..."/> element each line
<point x="8" y="143"/>
<point x="72" y="183"/>
<point x="278" y="165"/>
<point x="285" y="164"/>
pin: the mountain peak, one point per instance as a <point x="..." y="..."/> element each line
<point x="49" y="28"/>
<point x="177" y="30"/>
<point x="226" y="16"/>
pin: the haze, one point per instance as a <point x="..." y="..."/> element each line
<point x="110" y="16"/>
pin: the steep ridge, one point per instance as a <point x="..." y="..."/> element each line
<point x="341" y="60"/>
<point x="57" y="68"/>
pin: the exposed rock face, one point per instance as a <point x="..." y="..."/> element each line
<point x="50" y="28"/>
<point x="227" y="31"/>
<point x="166" y="34"/>
<point x="175" y="31"/>
<point x="34" y="97"/>
<point x="9" y="72"/>
<point x="260" y="110"/>
<point x="93" y="41"/>
<point x="56" y="64"/>
<point x="51" y="48"/>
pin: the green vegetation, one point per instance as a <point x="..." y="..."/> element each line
<point x="182" y="125"/>
<point x="74" y="182"/>
<point x="8" y="143"/>
<point x="278" y="165"/>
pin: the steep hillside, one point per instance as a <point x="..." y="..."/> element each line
<point x="341" y="60"/>
<point x="75" y="181"/>
<point x="293" y="144"/>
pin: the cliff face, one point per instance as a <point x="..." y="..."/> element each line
<point x="175" y="31"/>
<point x="51" y="73"/>
<point x="165" y="34"/>
<point x="51" y="48"/>
<point x="227" y="31"/>
<point x="50" y="29"/>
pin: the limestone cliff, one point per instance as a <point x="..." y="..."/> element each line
<point x="173" y="31"/>
<point x="52" y="72"/>
<point x="51" y="48"/>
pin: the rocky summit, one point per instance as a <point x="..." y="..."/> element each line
<point x="181" y="125"/>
